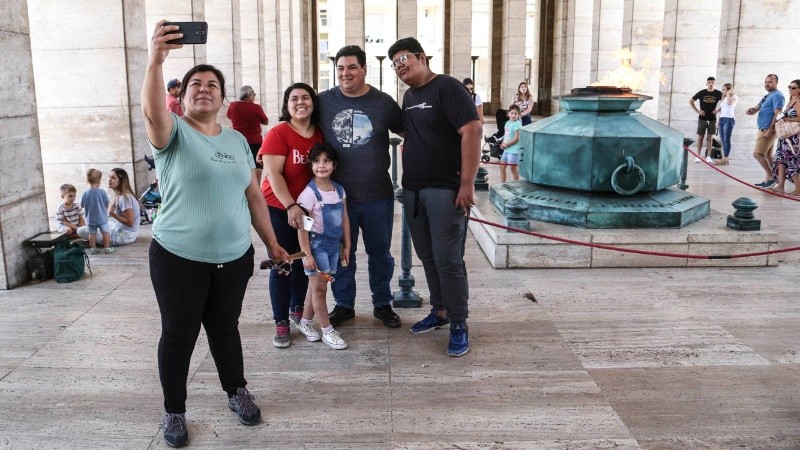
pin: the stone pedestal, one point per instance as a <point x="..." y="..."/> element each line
<point x="708" y="236"/>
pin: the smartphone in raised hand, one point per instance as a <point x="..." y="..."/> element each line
<point x="193" y="32"/>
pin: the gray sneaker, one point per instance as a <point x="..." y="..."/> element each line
<point x="175" y="432"/>
<point x="244" y="405"/>
<point x="281" y="338"/>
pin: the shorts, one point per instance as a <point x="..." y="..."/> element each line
<point x="764" y="146"/>
<point x="706" y="126"/>
<point x="510" y="158"/>
<point x="254" y="148"/>
<point x="326" y="254"/>
<point x="104" y="228"/>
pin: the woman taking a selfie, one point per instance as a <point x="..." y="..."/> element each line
<point x="200" y="259"/>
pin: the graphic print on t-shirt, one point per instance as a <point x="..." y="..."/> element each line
<point x="352" y="127"/>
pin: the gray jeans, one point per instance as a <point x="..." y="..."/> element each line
<point x="439" y="232"/>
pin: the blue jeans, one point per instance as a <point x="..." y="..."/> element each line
<point x="286" y="292"/>
<point x="376" y="220"/>
<point x="726" y="125"/>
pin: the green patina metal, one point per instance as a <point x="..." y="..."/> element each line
<point x="601" y="164"/>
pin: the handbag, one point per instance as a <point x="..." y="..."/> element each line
<point x="784" y="129"/>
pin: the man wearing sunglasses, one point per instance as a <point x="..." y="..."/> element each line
<point x="440" y="159"/>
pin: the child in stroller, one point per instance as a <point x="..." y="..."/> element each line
<point x="151" y="198"/>
<point x="491" y="144"/>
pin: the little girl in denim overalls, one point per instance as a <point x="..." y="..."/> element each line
<point x="325" y="201"/>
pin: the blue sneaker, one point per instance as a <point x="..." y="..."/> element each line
<point x="429" y="323"/>
<point x="459" y="339"/>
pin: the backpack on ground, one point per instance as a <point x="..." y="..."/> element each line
<point x="70" y="261"/>
<point x="40" y="266"/>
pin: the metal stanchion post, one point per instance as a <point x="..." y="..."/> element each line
<point x="685" y="164"/>
<point x="406" y="297"/>
<point x="394" y="142"/>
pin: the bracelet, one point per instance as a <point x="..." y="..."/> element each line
<point x="290" y="206"/>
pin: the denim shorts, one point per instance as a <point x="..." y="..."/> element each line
<point x="325" y="253"/>
<point x="510" y="158"/>
<point x="104" y="228"/>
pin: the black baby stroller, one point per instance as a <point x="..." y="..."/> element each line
<point x="491" y="144"/>
<point x="150" y="201"/>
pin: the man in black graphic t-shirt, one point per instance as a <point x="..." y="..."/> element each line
<point x="707" y="121"/>
<point x="440" y="159"/>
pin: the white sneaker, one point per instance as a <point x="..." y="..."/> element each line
<point x="309" y="331"/>
<point x="709" y="160"/>
<point x="334" y="340"/>
<point x="696" y="160"/>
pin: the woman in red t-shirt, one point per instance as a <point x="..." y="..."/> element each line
<point x="285" y="157"/>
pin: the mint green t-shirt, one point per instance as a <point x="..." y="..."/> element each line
<point x="204" y="214"/>
<point x="511" y="127"/>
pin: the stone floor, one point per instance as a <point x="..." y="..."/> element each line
<point x="560" y="358"/>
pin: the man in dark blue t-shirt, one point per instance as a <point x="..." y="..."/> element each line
<point x="356" y="119"/>
<point x="440" y="160"/>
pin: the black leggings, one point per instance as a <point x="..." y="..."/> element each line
<point x="191" y="293"/>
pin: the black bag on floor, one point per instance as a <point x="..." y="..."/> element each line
<point x="40" y="266"/>
<point x="495" y="151"/>
<point x="70" y="262"/>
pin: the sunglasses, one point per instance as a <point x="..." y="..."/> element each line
<point x="402" y="59"/>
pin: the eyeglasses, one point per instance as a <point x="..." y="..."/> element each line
<point x="402" y="59"/>
<point x="792" y="87"/>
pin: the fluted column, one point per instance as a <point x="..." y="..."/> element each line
<point x="606" y="36"/>
<point x="574" y="45"/>
<point x="512" y="52"/>
<point x="223" y="49"/>
<point x="179" y="61"/>
<point x="354" y="22"/>
<point x="23" y="211"/>
<point x="690" y="37"/>
<point x="642" y="32"/>
<point x="406" y="27"/>
<point x="756" y="38"/>
<point x="459" y="37"/>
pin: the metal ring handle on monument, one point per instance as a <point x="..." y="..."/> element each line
<point x="628" y="165"/>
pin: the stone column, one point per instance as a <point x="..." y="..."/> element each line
<point x="690" y="57"/>
<point x="642" y="32"/>
<point x="179" y="61"/>
<point x="510" y="21"/>
<point x="606" y="37"/>
<point x="286" y="50"/>
<point x="23" y="211"/>
<point x="252" y="52"/>
<point x="223" y="49"/>
<point x="87" y="89"/>
<point x="354" y="22"/>
<point x="459" y="39"/>
<point x="406" y="27"/>
<point x="573" y="45"/>
<point x="756" y="38"/>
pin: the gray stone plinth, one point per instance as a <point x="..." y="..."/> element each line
<point x="708" y="236"/>
<point x="667" y="208"/>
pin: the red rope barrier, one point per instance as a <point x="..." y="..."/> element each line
<point x="768" y="191"/>
<point x="632" y="250"/>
